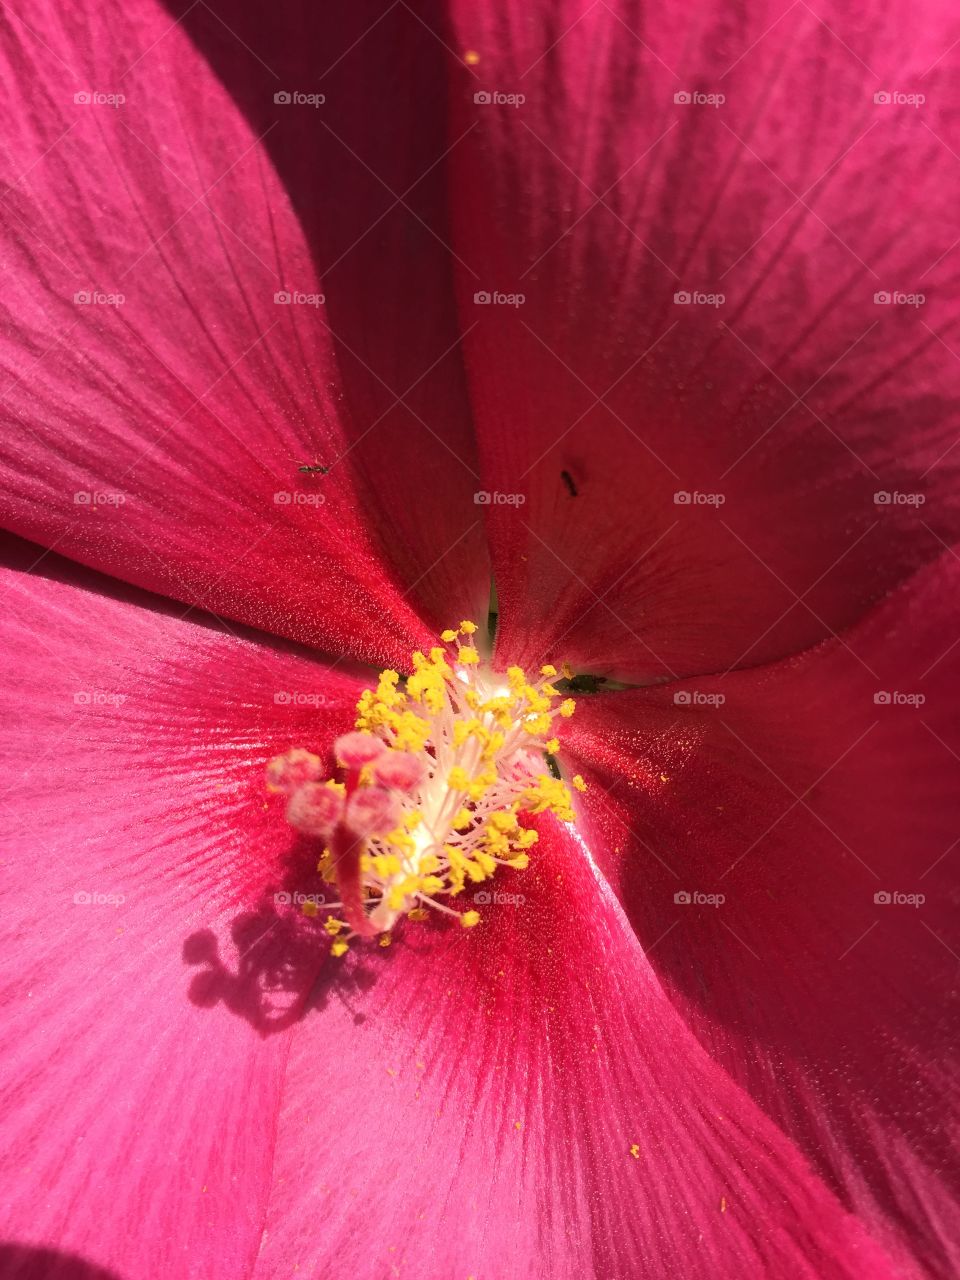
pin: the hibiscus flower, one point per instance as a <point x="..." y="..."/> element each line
<point x="317" y="319"/>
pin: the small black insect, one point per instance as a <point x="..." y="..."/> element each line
<point x="315" y="469"/>
<point x="585" y="684"/>
<point x="567" y="479"/>
<point x="553" y="766"/>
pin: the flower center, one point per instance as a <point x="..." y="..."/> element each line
<point x="440" y="780"/>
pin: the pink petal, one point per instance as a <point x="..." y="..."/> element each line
<point x="814" y="786"/>
<point x="465" y="1103"/>
<point x="160" y="439"/>
<point x="142" y="856"/>
<point x="599" y="400"/>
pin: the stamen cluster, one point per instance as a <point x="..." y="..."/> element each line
<point x="438" y="778"/>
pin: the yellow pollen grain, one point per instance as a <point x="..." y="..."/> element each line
<point x="471" y="58"/>
<point x="635" y="1151"/>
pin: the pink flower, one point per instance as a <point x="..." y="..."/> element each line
<point x="314" y="318"/>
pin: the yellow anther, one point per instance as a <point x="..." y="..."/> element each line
<point x="386" y="865"/>
<point x="468" y="655"/>
<point x="468" y="628"/>
<point x="501" y="821"/>
<point x="567" y="708"/>
<point x="458" y="779"/>
<point x="493" y="744"/>
<point x="578" y="782"/>
<point x="547" y="670"/>
<point x="339" y="947"/>
<point x="448" y="636"/>
<point x="486" y="864"/>
<point x="469" y="919"/>
<point x="464" y="729"/>
<point x="479" y="787"/>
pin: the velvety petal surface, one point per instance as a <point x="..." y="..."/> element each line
<point x="139" y="1109"/>
<point x="687" y="392"/>
<point x="820" y="799"/>
<point x="521" y="1100"/>
<point x="188" y="317"/>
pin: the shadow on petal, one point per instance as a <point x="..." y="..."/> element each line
<point x="281" y="967"/>
<point x="26" y="1262"/>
